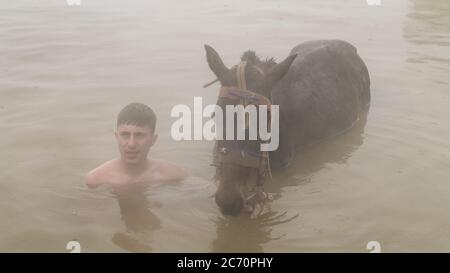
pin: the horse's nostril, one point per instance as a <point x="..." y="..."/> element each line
<point x="229" y="205"/>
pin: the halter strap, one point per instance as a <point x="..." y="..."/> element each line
<point x="247" y="96"/>
<point x="240" y="75"/>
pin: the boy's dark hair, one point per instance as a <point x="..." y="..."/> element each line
<point x="137" y="114"/>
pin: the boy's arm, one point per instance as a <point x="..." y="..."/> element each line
<point x="98" y="176"/>
<point x="92" y="180"/>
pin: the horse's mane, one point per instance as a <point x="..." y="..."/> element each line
<point x="251" y="58"/>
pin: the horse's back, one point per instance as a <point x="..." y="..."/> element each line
<point x="323" y="93"/>
<point x="343" y="56"/>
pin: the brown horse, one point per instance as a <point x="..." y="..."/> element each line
<point x="322" y="88"/>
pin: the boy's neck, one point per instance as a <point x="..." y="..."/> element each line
<point x="134" y="169"/>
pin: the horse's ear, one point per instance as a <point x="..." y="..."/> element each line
<point x="277" y="72"/>
<point x="217" y="66"/>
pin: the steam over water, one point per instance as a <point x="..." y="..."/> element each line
<point x="66" y="71"/>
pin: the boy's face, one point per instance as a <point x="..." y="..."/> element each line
<point x="134" y="142"/>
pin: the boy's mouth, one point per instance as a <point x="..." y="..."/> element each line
<point x="132" y="154"/>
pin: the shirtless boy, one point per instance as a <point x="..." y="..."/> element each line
<point x="135" y="135"/>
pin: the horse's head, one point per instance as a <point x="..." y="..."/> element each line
<point x="240" y="164"/>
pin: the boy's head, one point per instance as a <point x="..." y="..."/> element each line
<point x="137" y="114"/>
<point x="135" y="132"/>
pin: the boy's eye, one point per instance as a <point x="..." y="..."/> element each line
<point x="139" y="135"/>
<point x="124" y="134"/>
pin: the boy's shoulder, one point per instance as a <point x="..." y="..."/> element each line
<point x="100" y="174"/>
<point x="109" y="173"/>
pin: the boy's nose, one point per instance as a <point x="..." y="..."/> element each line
<point x="131" y="142"/>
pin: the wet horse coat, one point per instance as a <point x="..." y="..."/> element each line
<point x="325" y="91"/>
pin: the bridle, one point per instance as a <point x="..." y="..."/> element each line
<point x="257" y="160"/>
